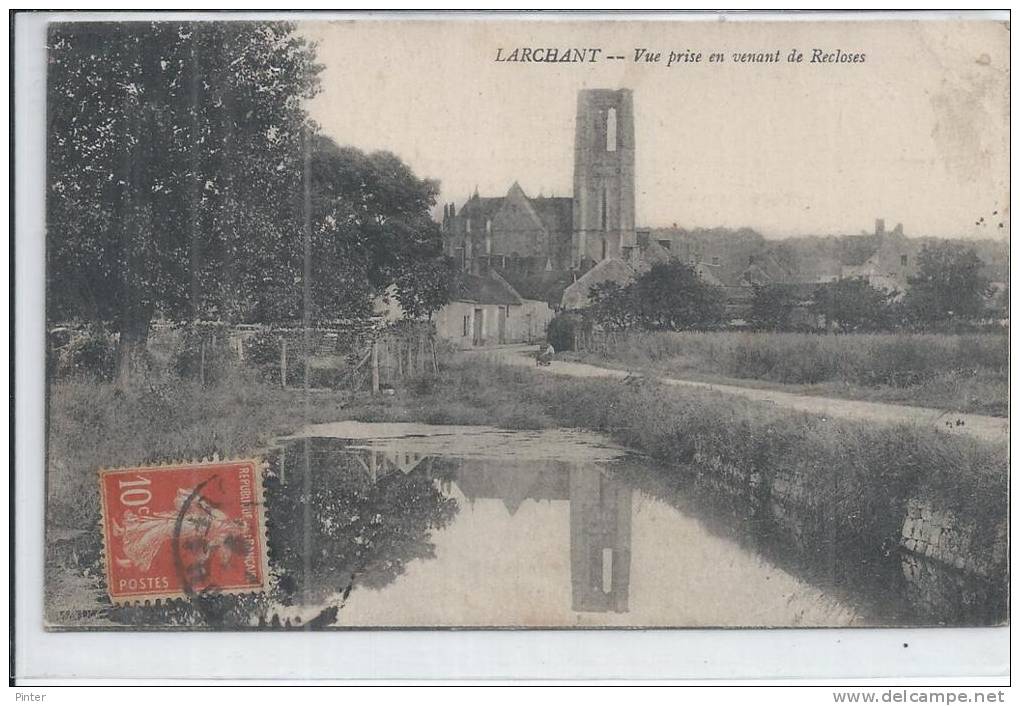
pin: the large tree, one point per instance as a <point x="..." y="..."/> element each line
<point x="372" y="229"/>
<point x="672" y="296"/>
<point x="612" y="306"/>
<point x="174" y="169"/>
<point x="949" y="284"/>
<point x="669" y="296"/>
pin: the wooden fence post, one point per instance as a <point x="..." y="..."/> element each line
<point x="201" y="366"/>
<point x="375" y="367"/>
<point x="283" y="363"/>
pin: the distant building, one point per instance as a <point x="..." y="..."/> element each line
<point x="487" y="310"/>
<point x="523" y="237"/>
<point x="893" y="262"/>
<point x="553" y="249"/>
<point x="512" y="231"/>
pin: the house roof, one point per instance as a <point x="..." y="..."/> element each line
<point x="491" y="289"/>
<point x="653" y="253"/>
<point x="611" y="269"/>
<point x="546" y="286"/>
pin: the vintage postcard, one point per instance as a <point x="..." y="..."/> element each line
<point x="525" y="321"/>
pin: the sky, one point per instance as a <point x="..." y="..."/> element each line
<point x="918" y="133"/>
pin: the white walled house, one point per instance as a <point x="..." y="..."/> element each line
<point x="486" y="310"/>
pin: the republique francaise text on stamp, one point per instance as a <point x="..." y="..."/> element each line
<point x="180" y="530"/>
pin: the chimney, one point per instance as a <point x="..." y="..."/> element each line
<point x="879" y="227"/>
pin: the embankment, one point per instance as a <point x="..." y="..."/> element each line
<point x="858" y="494"/>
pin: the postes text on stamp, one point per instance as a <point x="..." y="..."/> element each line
<point x="180" y="530"/>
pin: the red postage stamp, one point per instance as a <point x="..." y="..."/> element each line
<point x="181" y="530"/>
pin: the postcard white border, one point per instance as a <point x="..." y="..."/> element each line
<point x="602" y="654"/>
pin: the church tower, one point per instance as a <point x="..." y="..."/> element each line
<point x="603" y="176"/>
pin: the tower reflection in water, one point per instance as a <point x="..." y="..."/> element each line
<point x="600" y="509"/>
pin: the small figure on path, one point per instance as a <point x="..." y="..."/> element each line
<point x="545" y="355"/>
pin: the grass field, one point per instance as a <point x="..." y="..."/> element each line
<point x="961" y="373"/>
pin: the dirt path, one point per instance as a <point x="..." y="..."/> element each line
<point x="980" y="426"/>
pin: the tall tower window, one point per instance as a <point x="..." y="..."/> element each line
<point x="467" y="225"/>
<point x="605" y="208"/>
<point x="611" y="130"/>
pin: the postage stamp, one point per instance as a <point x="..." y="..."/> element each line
<point x="180" y="530"/>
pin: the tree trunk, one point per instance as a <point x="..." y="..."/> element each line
<point x="133" y="336"/>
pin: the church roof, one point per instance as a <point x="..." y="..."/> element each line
<point x="482" y="206"/>
<point x="556" y="212"/>
<point x="513" y="483"/>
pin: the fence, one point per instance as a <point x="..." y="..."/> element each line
<point x="350" y="355"/>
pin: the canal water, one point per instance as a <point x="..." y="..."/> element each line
<point x="408" y="525"/>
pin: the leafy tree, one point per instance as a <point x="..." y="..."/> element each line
<point x="852" y="304"/>
<point x="427" y="285"/>
<point x="174" y="169"/>
<point x="611" y="305"/>
<point x="372" y="228"/>
<point x="772" y="306"/>
<point x="672" y="296"/>
<point x="949" y="284"/>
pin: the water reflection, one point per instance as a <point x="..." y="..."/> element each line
<point x="600" y="514"/>
<point x="600" y="518"/>
<point x="490" y="528"/>
<point x="339" y="519"/>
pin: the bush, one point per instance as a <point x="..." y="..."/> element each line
<point x="91" y="353"/>
<point x="563" y="331"/>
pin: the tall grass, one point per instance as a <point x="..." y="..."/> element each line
<point x="960" y="372"/>
<point x="93" y="424"/>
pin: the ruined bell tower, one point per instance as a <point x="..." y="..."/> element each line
<point x="603" y="176"/>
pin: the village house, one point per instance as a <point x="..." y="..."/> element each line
<point x="893" y="262"/>
<point x="487" y="310"/>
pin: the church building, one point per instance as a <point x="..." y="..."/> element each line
<point x="522" y="236"/>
